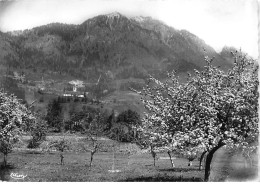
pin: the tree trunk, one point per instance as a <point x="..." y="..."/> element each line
<point x="245" y="164"/>
<point x="209" y="159"/>
<point x="201" y="158"/>
<point x="5" y="160"/>
<point x="92" y="156"/>
<point x="118" y="136"/>
<point x="61" y="159"/>
<point x="154" y="155"/>
<point x="251" y="162"/>
<point x="190" y="163"/>
<point x="169" y="153"/>
<point x="91" y="159"/>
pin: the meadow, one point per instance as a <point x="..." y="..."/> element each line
<point x="130" y="163"/>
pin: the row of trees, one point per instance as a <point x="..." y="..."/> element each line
<point x="210" y="110"/>
<point x="119" y="127"/>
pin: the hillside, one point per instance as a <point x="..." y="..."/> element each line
<point x="128" y="47"/>
<point x="121" y="51"/>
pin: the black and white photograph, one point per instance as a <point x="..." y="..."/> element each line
<point x="129" y="91"/>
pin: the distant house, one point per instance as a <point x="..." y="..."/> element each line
<point x="67" y="95"/>
<point x="76" y="84"/>
<point x="73" y="89"/>
<point x="75" y="94"/>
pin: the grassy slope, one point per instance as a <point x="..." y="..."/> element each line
<point x="124" y="100"/>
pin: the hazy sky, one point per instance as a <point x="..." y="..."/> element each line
<point x="218" y="22"/>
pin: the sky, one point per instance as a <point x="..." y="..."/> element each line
<point x="218" y="22"/>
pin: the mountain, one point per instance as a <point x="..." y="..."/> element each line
<point x="226" y="53"/>
<point x="120" y="49"/>
<point x="8" y="49"/>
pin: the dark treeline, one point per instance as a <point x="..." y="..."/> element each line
<point x="120" y="127"/>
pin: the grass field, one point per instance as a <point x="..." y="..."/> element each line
<point x="138" y="166"/>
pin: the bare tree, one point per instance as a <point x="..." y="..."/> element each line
<point x="92" y="149"/>
<point x="61" y="146"/>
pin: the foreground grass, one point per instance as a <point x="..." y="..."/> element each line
<point x="45" y="166"/>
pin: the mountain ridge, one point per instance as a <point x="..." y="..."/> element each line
<point x="124" y="47"/>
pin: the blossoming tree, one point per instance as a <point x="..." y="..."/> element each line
<point x="14" y="119"/>
<point x="211" y="109"/>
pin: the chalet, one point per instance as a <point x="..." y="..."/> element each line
<point x="76" y="84"/>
